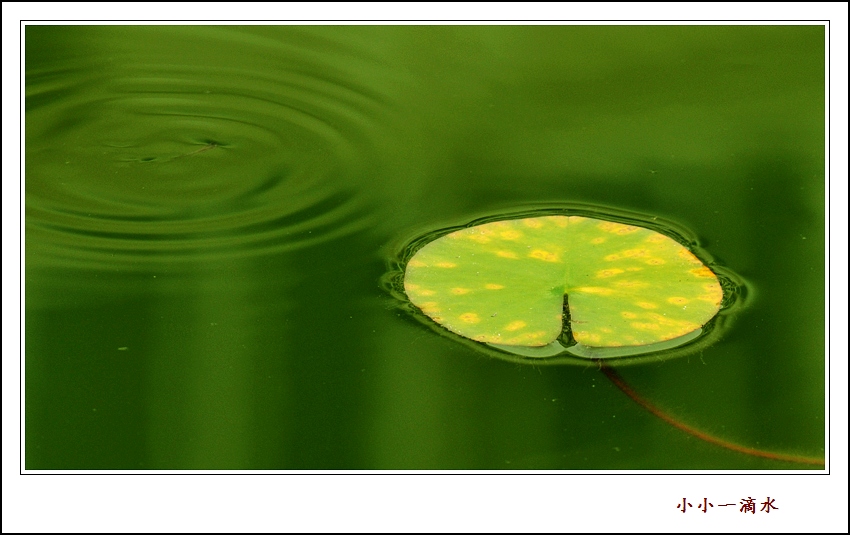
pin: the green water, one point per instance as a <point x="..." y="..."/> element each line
<point x="210" y="212"/>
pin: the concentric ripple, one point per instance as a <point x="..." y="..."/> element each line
<point x="203" y="144"/>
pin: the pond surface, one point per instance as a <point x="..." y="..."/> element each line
<point x="210" y="212"/>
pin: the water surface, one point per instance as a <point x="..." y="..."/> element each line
<point x="210" y="212"/>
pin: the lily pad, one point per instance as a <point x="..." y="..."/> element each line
<point x="514" y="283"/>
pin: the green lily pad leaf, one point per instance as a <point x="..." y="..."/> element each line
<point x="504" y="283"/>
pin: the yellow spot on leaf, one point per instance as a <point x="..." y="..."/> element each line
<point x="559" y="220"/>
<point x="612" y="257"/>
<point x="703" y="273"/>
<point x="429" y="307"/>
<point x="460" y="291"/>
<point x="492" y="286"/>
<point x="469" y="317"/>
<point x="688" y="326"/>
<point x="682" y="328"/>
<point x="617" y="228"/>
<point x="586" y="337"/>
<point x="479" y="238"/>
<point x="664" y="320"/>
<point x="713" y="294"/>
<point x="596" y="290"/>
<point x="678" y="301"/>
<point x="656" y="238"/>
<point x="635" y="253"/>
<point x="526" y="338"/>
<point x="605" y="273"/>
<point x="689" y="256"/>
<point x="597" y="241"/>
<point x="634" y="269"/>
<point x="515" y="325"/>
<point x="546" y="256"/>
<point x="647" y="305"/>
<point x="628" y="315"/>
<point x="506" y="254"/>
<point x="510" y="234"/>
<point x="424" y="292"/>
<point x="532" y="223"/>
<point x="656" y="261"/>
<point x="416" y="263"/>
<point x="446" y="264"/>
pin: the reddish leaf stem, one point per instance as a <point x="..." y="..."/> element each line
<point x="622" y="385"/>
